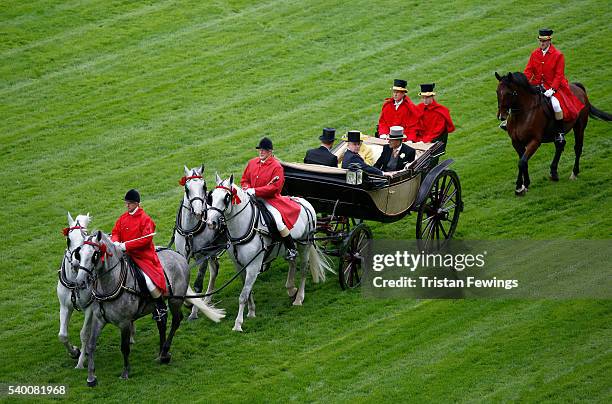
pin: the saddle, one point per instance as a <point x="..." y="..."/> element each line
<point x="267" y="218"/>
<point x="550" y="132"/>
<point x="137" y="273"/>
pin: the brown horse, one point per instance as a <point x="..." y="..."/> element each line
<point x="530" y="122"/>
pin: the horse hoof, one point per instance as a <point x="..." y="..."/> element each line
<point x="79" y="366"/>
<point x="92" y="383"/>
<point x="165" y="359"/>
<point x="132" y="341"/>
<point x="124" y="376"/>
<point x="251" y="314"/>
<point x="573" y="177"/>
<point x="297" y="303"/>
<point x="237" y="328"/>
<point x="554" y="177"/>
<point x="192" y="317"/>
<point x="520" y="192"/>
<point x="76" y="353"/>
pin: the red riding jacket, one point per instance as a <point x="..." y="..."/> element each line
<point x="142" y="252"/>
<point x="258" y="175"/>
<point x="434" y="121"/>
<point x="548" y="70"/>
<point x="406" y="116"/>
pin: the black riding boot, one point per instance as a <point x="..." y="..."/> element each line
<point x="560" y="138"/>
<point x="161" y="311"/>
<point x="290" y="247"/>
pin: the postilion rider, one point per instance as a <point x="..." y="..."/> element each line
<point x="128" y="235"/>
<point x="264" y="177"/>
<point x="546" y="68"/>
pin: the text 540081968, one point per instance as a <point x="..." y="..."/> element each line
<point x="34" y="389"/>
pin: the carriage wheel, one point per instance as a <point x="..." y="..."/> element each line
<point x="350" y="268"/>
<point x="439" y="213"/>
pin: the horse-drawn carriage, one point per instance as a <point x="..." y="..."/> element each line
<point x="344" y="198"/>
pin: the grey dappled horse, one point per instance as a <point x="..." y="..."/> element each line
<point x="230" y="205"/>
<point x="192" y="238"/>
<point x="70" y="298"/>
<point x="118" y="301"/>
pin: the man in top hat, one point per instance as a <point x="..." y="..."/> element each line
<point x="546" y="67"/>
<point x="264" y="177"/>
<point x="365" y="151"/>
<point x="322" y="155"/>
<point x="130" y="226"/>
<point x="399" y="111"/>
<point x="396" y="154"/>
<point x="435" y="122"/>
<point x="352" y="154"/>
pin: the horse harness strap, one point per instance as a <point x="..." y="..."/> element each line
<point x="71" y="286"/>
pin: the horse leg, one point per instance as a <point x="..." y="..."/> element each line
<point x="96" y="328"/>
<point x="290" y="284"/>
<point x="579" y="128"/>
<point x="125" y="350"/>
<point x="559" y="147"/>
<point x="520" y="150"/>
<point x="161" y="328"/>
<point x="198" y="284"/>
<point x="251" y="306"/>
<point x="65" y="314"/>
<point x="84" y="334"/>
<point x="214" y="271"/>
<point x="177" y="317"/>
<point x="251" y="276"/>
<point x="530" y="150"/>
<point x="299" y="298"/>
<point x="132" y="333"/>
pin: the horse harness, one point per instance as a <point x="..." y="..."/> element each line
<point x="61" y="273"/>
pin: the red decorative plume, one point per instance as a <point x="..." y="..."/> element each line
<point x="184" y="179"/>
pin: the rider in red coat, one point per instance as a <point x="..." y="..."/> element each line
<point x="264" y="177"/>
<point x="434" y="119"/>
<point x="399" y="111"/>
<point x="133" y="224"/>
<point x="546" y="67"/>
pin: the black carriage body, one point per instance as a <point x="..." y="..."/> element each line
<point x="379" y="198"/>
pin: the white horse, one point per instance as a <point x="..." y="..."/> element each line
<point x="252" y="246"/>
<point x="192" y="238"/>
<point x="67" y="292"/>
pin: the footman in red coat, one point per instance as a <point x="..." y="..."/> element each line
<point x="435" y="122"/>
<point x="132" y="225"/>
<point x="399" y="111"/>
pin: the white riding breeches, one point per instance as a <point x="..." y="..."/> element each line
<point x="555" y="104"/>
<point x="280" y="225"/>
<point x="155" y="292"/>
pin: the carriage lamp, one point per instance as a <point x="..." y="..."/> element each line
<point x="354" y="176"/>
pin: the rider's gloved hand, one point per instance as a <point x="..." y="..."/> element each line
<point x="119" y="245"/>
<point x="250" y="191"/>
<point x="548" y="93"/>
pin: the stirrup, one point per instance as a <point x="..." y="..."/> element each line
<point x="291" y="254"/>
<point x="504" y="125"/>
<point x="159" y="314"/>
<point x="560" y="138"/>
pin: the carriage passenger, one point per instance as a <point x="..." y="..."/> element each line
<point x="546" y="68"/>
<point x="365" y="151"/>
<point x="323" y="155"/>
<point x="435" y="122"/>
<point x="264" y="177"/>
<point x="352" y="154"/>
<point x="131" y="225"/>
<point x="396" y="154"/>
<point x="399" y="110"/>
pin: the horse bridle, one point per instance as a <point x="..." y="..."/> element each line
<point x="511" y="108"/>
<point x="195" y="198"/>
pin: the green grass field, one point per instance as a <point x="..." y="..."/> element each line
<point x="97" y="97"/>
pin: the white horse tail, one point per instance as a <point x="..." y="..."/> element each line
<point x="211" y="312"/>
<point x="318" y="263"/>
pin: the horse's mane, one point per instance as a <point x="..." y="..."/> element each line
<point x="520" y="80"/>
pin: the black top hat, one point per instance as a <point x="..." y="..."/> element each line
<point x="265" y="144"/>
<point x="132" y="196"/>
<point x="329" y="135"/>
<point x="427" y="89"/>
<point x="545" y="34"/>
<point x="400" y="85"/>
<point x="353" y="136"/>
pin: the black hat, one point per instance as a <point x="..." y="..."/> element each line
<point x="265" y="144"/>
<point x="132" y="196"/>
<point x="427" y="90"/>
<point x="329" y="135"/>
<point x="400" y="85"/>
<point x="353" y="136"/>
<point x="545" y="34"/>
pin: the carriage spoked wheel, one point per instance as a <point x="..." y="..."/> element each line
<point x="438" y="214"/>
<point x="350" y="268"/>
